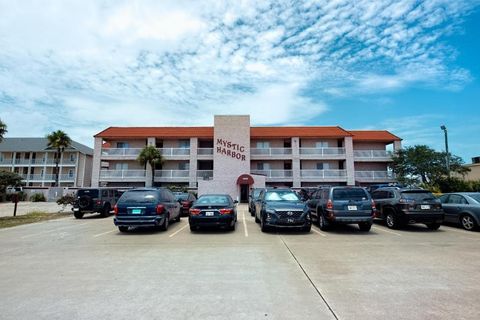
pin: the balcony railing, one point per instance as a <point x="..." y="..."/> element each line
<point x="172" y="174"/>
<point x="371" y="154"/>
<point x="270" y="151"/>
<point x="121" y="152"/>
<point x="323" y="174"/>
<point x="48" y="177"/>
<point x="374" y="175"/>
<point x="274" y="174"/>
<point x="205" y="151"/>
<point x="204" y="174"/>
<point x="6" y="162"/>
<point x="174" y="152"/>
<point x="323" y="152"/>
<point x="122" y="174"/>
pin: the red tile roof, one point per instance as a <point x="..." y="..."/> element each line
<point x="255" y="132"/>
<point x="374" y="135"/>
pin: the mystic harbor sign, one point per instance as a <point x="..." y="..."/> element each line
<point x="230" y="149"/>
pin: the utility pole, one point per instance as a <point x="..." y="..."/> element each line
<point x="444" y="128"/>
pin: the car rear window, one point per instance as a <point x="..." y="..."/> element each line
<point x="213" y="200"/>
<point x="281" y="196"/>
<point x="349" y="194"/>
<point x="90" y="193"/>
<point x="418" y="195"/>
<point x="182" y="196"/>
<point x="139" y="197"/>
<point x="475" y="197"/>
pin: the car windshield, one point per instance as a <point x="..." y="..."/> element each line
<point x="256" y="193"/>
<point x="349" y="194"/>
<point x="475" y="197"/>
<point x="89" y="192"/>
<point x="279" y="195"/>
<point x="181" y="196"/>
<point x="418" y="195"/>
<point x="215" y="200"/>
<point x="139" y="197"/>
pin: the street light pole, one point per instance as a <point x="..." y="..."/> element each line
<point x="444" y="128"/>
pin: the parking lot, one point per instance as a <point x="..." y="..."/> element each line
<point x="86" y="269"/>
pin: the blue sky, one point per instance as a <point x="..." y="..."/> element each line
<point x="402" y="65"/>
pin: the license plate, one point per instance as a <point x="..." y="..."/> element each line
<point x="136" y="211"/>
<point x="209" y="213"/>
<point x="425" y="207"/>
<point x="352" y="208"/>
<point x="290" y="220"/>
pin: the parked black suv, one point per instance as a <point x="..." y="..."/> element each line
<point x="91" y="200"/>
<point x="342" y="205"/>
<point x="252" y="198"/>
<point x="281" y="208"/>
<point x="401" y="206"/>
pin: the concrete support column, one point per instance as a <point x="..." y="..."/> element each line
<point x="148" y="167"/>
<point x="192" y="181"/>
<point x="397" y="145"/>
<point x="350" y="164"/>
<point x="296" y="173"/>
<point x="76" y="173"/>
<point x="96" y="166"/>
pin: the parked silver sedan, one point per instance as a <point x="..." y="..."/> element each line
<point x="462" y="208"/>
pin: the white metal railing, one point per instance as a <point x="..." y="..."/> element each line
<point x="372" y="154"/>
<point x="205" y="151"/>
<point x="323" y="174"/>
<point x="173" y="152"/>
<point x="172" y="174"/>
<point x="6" y="162"/>
<point x="122" y="174"/>
<point x="374" y="175"/>
<point x="271" y="151"/>
<point x="205" y="174"/>
<point x="322" y="151"/>
<point x="274" y="173"/>
<point x="121" y="152"/>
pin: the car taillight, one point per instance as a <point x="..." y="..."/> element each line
<point x="374" y="209"/>
<point x="225" y="211"/>
<point x="115" y="210"/>
<point x="373" y="205"/>
<point x="160" y="209"/>
<point x="195" y="212"/>
<point x="329" y="204"/>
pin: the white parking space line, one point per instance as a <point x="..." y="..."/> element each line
<point x="387" y="231"/>
<point x="173" y="234"/>
<point x="245" y="224"/>
<point x="318" y="232"/>
<point x="104" y="233"/>
<point x="54" y="230"/>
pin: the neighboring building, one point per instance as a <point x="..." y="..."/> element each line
<point x="231" y="156"/>
<point x="35" y="162"/>
<point x="474" y="167"/>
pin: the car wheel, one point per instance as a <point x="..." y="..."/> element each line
<point x="263" y="226"/>
<point x="166" y="222"/>
<point x="392" y="221"/>
<point x="365" y="226"/>
<point x="256" y="219"/>
<point x="323" y="223"/>
<point x="433" y="226"/>
<point x="468" y="223"/>
<point x="252" y="213"/>
<point x="193" y="228"/>
<point x="78" y="215"/>
<point x="123" y="229"/>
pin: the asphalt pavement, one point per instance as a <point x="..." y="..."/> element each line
<point x="87" y="269"/>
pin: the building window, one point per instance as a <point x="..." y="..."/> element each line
<point x="323" y="166"/>
<point x="263" y="144"/>
<point x="70" y="173"/>
<point x="72" y="158"/>
<point x="1" y="157"/>
<point x="184" y="166"/>
<point x="321" y="144"/>
<point x="122" y="145"/>
<point x="263" y="166"/>
<point x="121" y="166"/>
<point x="184" y="144"/>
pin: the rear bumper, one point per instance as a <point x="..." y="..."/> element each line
<point x="351" y="220"/>
<point x="139" y="221"/>
<point x="216" y="221"/>
<point x="418" y="217"/>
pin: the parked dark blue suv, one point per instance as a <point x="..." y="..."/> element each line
<point x="146" y="208"/>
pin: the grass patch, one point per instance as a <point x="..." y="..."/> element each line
<point x="32" y="217"/>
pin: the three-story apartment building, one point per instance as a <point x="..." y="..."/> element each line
<point x="32" y="159"/>
<point x="220" y="158"/>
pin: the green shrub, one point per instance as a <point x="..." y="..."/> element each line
<point x="66" y="200"/>
<point x="38" y="197"/>
<point x="22" y="196"/>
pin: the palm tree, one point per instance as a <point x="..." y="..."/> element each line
<point x="58" y="140"/>
<point x="3" y="129"/>
<point x="152" y="156"/>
